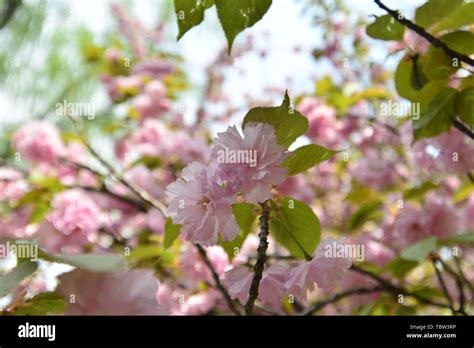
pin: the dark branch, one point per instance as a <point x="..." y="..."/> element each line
<point x="461" y="127"/>
<point x="261" y="259"/>
<point x="427" y="36"/>
<point x="339" y="296"/>
<point x="217" y="280"/>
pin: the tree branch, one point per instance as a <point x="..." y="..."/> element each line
<point x="144" y="196"/>
<point x="427" y="36"/>
<point x="261" y="259"/>
<point x="442" y="283"/>
<point x="398" y="290"/>
<point x="339" y="296"/>
<point x="462" y="128"/>
<point x="217" y="280"/>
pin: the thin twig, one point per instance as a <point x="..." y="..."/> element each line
<point x="396" y="289"/>
<point x="339" y="296"/>
<point x="442" y="283"/>
<point x="261" y="259"/>
<point x="144" y="196"/>
<point x="217" y="280"/>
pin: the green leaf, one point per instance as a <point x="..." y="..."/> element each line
<point x="419" y="251"/>
<point x="47" y="303"/>
<point x="399" y="267"/>
<point x="171" y="232"/>
<point x="385" y="28"/>
<point x="419" y="190"/>
<point x="367" y="212"/>
<point x="91" y="262"/>
<point x="297" y="228"/>
<point x="11" y="280"/>
<point x="463" y="238"/>
<point x="461" y="16"/>
<point x="289" y="124"/>
<point x="145" y="252"/>
<point x="464" y="106"/>
<point x="403" y="79"/>
<point x="435" y="10"/>
<point x="460" y="41"/>
<point x="245" y="216"/>
<point x="436" y="64"/>
<point x="236" y="16"/>
<point x="438" y="116"/>
<point x="306" y="157"/>
<point x="190" y="13"/>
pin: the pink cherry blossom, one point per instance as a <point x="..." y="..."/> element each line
<point x="201" y="202"/>
<point x="323" y="125"/>
<point x="255" y="178"/>
<point x="38" y="141"/>
<point x="113" y="293"/>
<point x="324" y="269"/>
<point x="12" y="184"/>
<point x="193" y="266"/>
<point x="76" y="214"/>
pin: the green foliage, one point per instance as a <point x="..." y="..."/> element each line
<point x="289" y="124"/>
<point x="419" y="251"/>
<point x="171" y="232"/>
<point x="89" y="262"/>
<point x="236" y="16"/>
<point x="385" y="28"/>
<point x="12" y="279"/>
<point x="419" y="191"/>
<point x="297" y="228"/>
<point x="399" y="267"/>
<point x="461" y="41"/>
<point x="438" y="117"/>
<point x="305" y="157"/>
<point x="190" y="13"/>
<point x="46" y="303"/>
<point x="435" y="10"/>
<point x="367" y="212"/>
<point x="461" y="16"/>
<point x="463" y="238"/>
<point x="464" y="106"/>
<point x="245" y="216"/>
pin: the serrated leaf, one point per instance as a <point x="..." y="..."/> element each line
<point x="297" y="228"/>
<point x="419" y="251"/>
<point x="236" y="16"/>
<point x="171" y="232"/>
<point x="245" y="217"/>
<point x="289" y="124"/>
<point x="437" y="117"/>
<point x="190" y="13"/>
<point x="305" y="157"/>
<point x="385" y="28"/>
<point x="47" y="303"/>
<point x="11" y="280"/>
